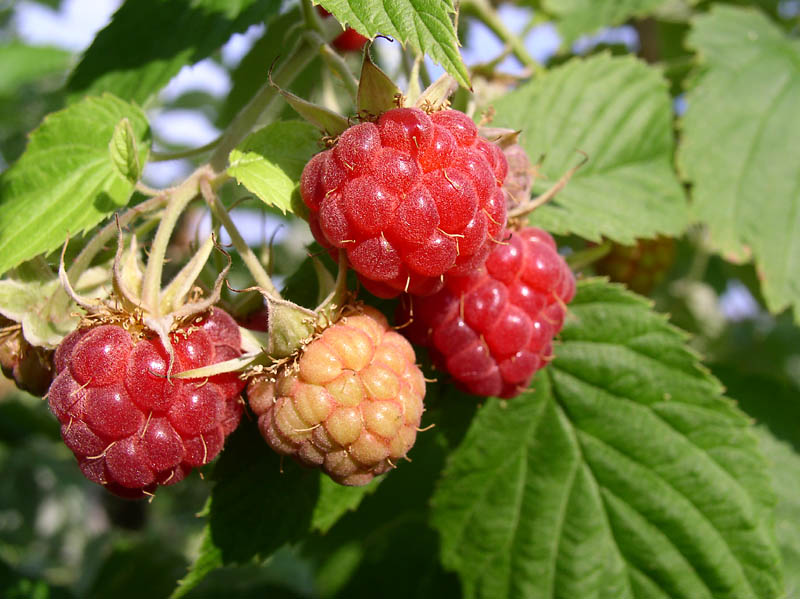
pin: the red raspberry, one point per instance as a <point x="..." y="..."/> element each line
<point x="30" y="367"/>
<point x="349" y="40"/>
<point x="410" y="197"/>
<point x="641" y="266"/>
<point x="492" y="330"/>
<point x="351" y="405"/>
<point x="130" y="427"/>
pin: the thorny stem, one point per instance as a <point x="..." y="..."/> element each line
<point x="483" y="10"/>
<point x="250" y="259"/>
<point x="179" y="198"/>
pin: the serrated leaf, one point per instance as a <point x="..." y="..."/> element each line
<point x="269" y="162"/>
<point x="425" y="25"/>
<point x="24" y="64"/>
<point x="736" y="149"/>
<point x="124" y="154"/>
<point x="335" y="501"/>
<point x="624" y="473"/>
<point x="617" y="111"/>
<point x="65" y="182"/>
<point x="577" y="17"/>
<point x="148" y="41"/>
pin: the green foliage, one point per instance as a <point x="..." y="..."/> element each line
<point x="24" y="64"/>
<point x="735" y="148"/>
<point x="617" y="112"/>
<point x="133" y="66"/>
<point x="269" y="162"/>
<point x="425" y="25"/>
<point x="66" y="181"/>
<point x="579" y="17"/>
<point x="623" y="474"/>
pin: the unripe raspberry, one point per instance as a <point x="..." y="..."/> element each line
<point x="641" y="266"/>
<point x="493" y="329"/>
<point x="30" y="367"/>
<point x="409" y="198"/>
<point x="132" y="427"/>
<point x="351" y="404"/>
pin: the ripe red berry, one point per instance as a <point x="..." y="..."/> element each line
<point x="492" y="330"/>
<point x="409" y="197"/>
<point x="130" y="426"/>
<point x="350" y="405"/>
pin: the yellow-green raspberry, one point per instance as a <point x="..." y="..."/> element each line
<point x="350" y="404"/>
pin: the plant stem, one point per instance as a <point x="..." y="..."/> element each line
<point x="242" y="124"/>
<point x="484" y="11"/>
<point x="179" y="198"/>
<point x="339" y="66"/>
<point x="260" y="275"/>
<point x="166" y="156"/>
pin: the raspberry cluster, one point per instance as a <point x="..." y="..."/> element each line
<point x="130" y="425"/>
<point x="410" y="197"/>
<point x="351" y="405"/>
<point x="491" y="330"/>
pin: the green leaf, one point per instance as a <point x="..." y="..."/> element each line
<point x="623" y="473"/>
<point x="426" y="25"/>
<point x="148" y="41"/>
<point x="66" y="181"/>
<point x="270" y="161"/>
<point x="124" y="154"/>
<point x="261" y="502"/>
<point x="617" y="111"/>
<point x="736" y="149"/>
<point x="577" y="17"/>
<point x="24" y="64"/>
<point x="785" y="471"/>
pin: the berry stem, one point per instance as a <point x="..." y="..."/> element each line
<point x="257" y="271"/>
<point x="337" y="64"/>
<point x="484" y="11"/>
<point x="178" y="198"/>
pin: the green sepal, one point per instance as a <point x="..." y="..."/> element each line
<point x="377" y="93"/>
<point x="328" y="121"/>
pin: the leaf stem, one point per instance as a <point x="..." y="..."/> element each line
<point x="255" y="267"/>
<point x="484" y="11"/>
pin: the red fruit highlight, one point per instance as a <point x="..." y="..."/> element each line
<point x="492" y="329"/>
<point x="130" y="427"/>
<point x="410" y="198"/>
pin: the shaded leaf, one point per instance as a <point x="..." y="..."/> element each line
<point x="24" y="64"/>
<point x="577" y="17"/>
<point x="617" y="111"/>
<point x="148" y="41"/>
<point x="624" y="473"/>
<point x="736" y="148"/>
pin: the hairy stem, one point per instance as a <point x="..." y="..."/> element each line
<point x="179" y="198"/>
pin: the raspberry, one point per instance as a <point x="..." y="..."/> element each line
<point x="349" y="40"/>
<point x="492" y="330"/>
<point x="642" y="266"/>
<point x="30" y="367"/>
<point x="409" y="197"/>
<point x="130" y="427"/>
<point x="350" y="405"/>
